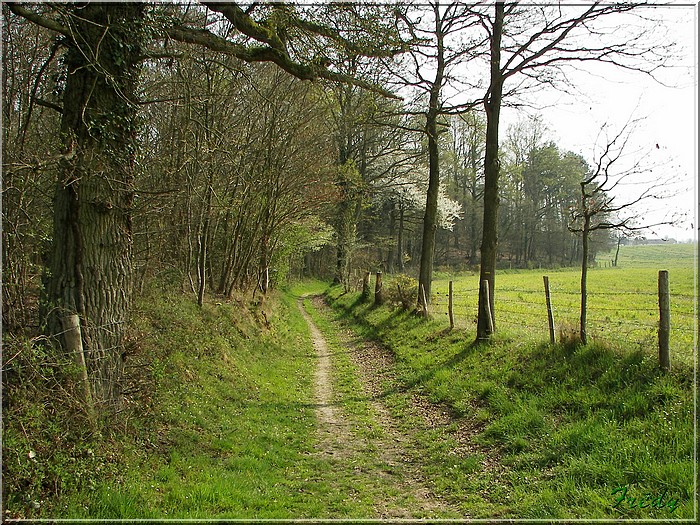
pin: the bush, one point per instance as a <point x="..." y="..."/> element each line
<point x="401" y="290"/>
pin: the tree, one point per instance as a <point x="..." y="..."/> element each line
<point x="532" y="47"/>
<point x="599" y="209"/>
<point x="30" y="149"/>
<point x="443" y="42"/>
<point x="541" y="183"/>
<point x="90" y="261"/>
<point x="90" y="268"/>
<point x="467" y="149"/>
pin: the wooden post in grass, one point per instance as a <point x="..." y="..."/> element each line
<point x="664" y="321"/>
<point x="365" y="287"/>
<point x="487" y="306"/>
<point x="424" y="302"/>
<point x="550" y="316"/>
<point x="378" y="294"/>
<point x="74" y="345"/>
<point x="449" y="309"/>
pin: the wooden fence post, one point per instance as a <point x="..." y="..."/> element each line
<point x="365" y="287"/>
<point x="550" y="316"/>
<point x="74" y="345"/>
<point x="450" y="310"/>
<point x="664" y="321"/>
<point x="378" y="294"/>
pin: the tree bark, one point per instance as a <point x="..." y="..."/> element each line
<point x="203" y="245"/>
<point x="399" y="238"/>
<point x="489" y="239"/>
<point x="584" y="276"/>
<point x="391" y="252"/>
<point x="90" y="265"/>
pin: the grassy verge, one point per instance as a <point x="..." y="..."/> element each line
<point x="565" y="431"/>
<point x="224" y="426"/>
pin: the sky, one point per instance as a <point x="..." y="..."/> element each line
<point x="612" y="96"/>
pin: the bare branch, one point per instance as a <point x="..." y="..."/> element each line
<point x="36" y="18"/>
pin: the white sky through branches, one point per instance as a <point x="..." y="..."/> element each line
<point x="612" y="96"/>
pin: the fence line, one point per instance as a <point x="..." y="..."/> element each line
<point x="637" y="319"/>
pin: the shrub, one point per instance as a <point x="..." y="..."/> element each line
<point x="401" y="290"/>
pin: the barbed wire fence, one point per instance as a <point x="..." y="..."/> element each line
<point x="610" y="319"/>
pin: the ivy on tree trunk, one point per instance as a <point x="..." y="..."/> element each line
<point x="90" y="265"/>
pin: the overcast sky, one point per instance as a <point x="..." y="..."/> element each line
<point x="671" y="113"/>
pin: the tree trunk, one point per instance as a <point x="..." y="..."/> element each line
<point x="345" y="225"/>
<point x="265" y="263"/>
<point x="489" y="238"/>
<point x="90" y="265"/>
<point x="392" y="235"/>
<point x="427" y="255"/>
<point x="584" y="276"/>
<point x="203" y="240"/>
<point x="399" y="238"/>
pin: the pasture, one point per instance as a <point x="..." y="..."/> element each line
<point x="622" y="301"/>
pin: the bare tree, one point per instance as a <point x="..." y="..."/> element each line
<point x="602" y="208"/>
<point x="444" y="40"/>
<point x="532" y="46"/>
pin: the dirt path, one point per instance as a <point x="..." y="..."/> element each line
<point x="333" y="426"/>
<point x="395" y="463"/>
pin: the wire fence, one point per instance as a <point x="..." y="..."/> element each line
<point x="625" y="317"/>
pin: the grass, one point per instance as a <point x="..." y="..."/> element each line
<point x="563" y="430"/>
<point x="228" y="430"/>
<point x="224" y="427"/>
<point x="622" y="301"/>
<point x="233" y="431"/>
<point x="555" y="431"/>
<point x="222" y="422"/>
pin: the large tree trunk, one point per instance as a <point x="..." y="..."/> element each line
<point x="489" y="239"/>
<point x="431" y="208"/>
<point x="90" y="266"/>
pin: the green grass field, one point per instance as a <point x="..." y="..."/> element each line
<point x="622" y="301"/>
<point x="223" y="423"/>
<point x="559" y="431"/>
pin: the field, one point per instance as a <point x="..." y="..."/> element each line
<point x="561" y="431"/>
<point x="223" y="423"/>
<point x="622" y="301"/>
